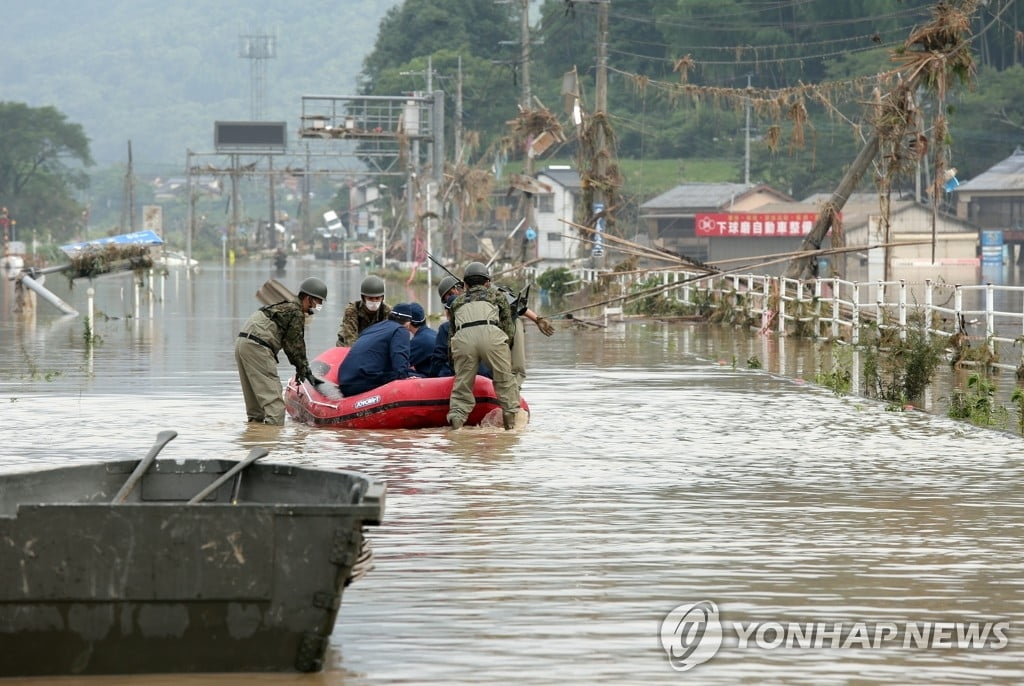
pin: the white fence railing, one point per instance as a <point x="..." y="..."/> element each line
<point x="986" y="314"/>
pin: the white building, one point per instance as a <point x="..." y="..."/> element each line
<point x="555" y="243"/>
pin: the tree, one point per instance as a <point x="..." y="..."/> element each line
<point x="936" y="57"/>
<point x="42" y="156"/>
<point x="418" y="28"/>
<point x="989" y="121"/>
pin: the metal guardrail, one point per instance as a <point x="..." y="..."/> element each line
<point x="986" y="314"/>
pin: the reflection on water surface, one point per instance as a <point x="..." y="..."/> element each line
<point x="650" y="476"/>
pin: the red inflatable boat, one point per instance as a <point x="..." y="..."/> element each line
<point x="406" y="404"/>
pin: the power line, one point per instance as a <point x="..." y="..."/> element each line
<point x="901" y="31"/>
<point x="727" y="21"/>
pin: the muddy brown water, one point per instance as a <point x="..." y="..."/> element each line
<point x="653" y="474"/>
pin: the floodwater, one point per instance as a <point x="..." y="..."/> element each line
<point x="651" y="476"/>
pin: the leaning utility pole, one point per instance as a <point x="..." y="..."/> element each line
<point x="933" y="54"/>
<point x="800" y="267"/>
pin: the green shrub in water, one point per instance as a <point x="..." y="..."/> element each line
<point x="556" y="281"/>
<point x="898" y="370"/>
<point x="978" y="403"/>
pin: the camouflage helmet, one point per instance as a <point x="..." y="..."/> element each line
<point x="447" y="283"/>
<point x="372" y="286"/>
<point x="314" y="287"/>
<point x="476" y="269"/>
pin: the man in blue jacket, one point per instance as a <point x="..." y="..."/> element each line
<point x="423" y="338"/>
<point x="380" y="355"/>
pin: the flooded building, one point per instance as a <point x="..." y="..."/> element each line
<point x="921" y="234"/>
<point x="994" y="202"/>
<point x="672" y="220"/>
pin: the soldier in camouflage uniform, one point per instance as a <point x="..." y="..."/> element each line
<point x="482" y="331"/>
<point x="519" y="341"/>
<point x="369" y="309"/>
<point x="269" y="330"/>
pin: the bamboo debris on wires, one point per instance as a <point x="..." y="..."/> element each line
<point x="661" y="289"/>
<point x="515" y="268"/>
<point x="651" y="252"/>
<point x="628" y="251"/>
<point x="759" y="259"/>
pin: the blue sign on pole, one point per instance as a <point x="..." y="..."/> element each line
<point x="598" y="249"/>
<point x="136" y="238"/>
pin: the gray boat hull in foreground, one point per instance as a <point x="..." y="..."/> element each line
<point x="155" y="584"/>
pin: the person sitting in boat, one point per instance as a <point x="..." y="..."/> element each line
<point x="421" y="348"/>
<point x="272" y="328"/>
<point x="379" y="355"/>
<point x="359" y="314"/>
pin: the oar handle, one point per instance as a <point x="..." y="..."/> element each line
<point x="254" y="454"/>
<point x="162" y="439"/>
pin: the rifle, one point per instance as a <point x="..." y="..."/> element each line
<point x="517" y="301"/>
<point x="446" y="269"/>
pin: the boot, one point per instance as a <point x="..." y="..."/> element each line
<point x="508" y="419"/>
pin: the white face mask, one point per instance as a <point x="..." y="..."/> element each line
<point x="318" y="307"/>
<point x="372" y="305"/>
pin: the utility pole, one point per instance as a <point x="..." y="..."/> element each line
<point x="601" y="107"/>
<point x="527" y="97"/>
<point x="128" y="205"/>
<point x="190" y="211"/>
<point x="273" y="209"/>
<point x="412" y="195"/>
<point x="456" y="243"/>
<point x="458" y="113"/>
<point x="233" y="228"/>
<point x="307" y="189"/>
<point x="746" y="151"/>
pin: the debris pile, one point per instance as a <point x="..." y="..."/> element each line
<point x="98" y="260"/>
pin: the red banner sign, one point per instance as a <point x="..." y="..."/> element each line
<point x="755" y="224"/>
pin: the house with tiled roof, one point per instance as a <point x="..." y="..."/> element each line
<point x="739" y="227"/>
<point x="671" y="220"/>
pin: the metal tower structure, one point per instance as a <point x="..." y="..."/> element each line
<point x="257" y="49"/>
